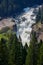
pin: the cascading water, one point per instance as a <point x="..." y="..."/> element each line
<point x="24" y="23"/>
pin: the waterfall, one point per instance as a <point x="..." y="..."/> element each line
<point x="24" y="23"/>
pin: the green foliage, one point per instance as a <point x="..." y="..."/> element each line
<point x="24" y="53"/>
<point x="3" y="52"/>
<point x="19" y="54"/>
<point x="40" y="55"/>
<point x="11" y="50"/>
<point x="31" y="56"/>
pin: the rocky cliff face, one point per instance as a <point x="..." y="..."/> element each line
<point x="38" y="29"/>
<point x="6" y="24"/>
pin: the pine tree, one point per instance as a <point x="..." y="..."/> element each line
<point x="18" y="51"/>
<point x="40" y="54"/>
<point x="19" y="54"/>
<point x="3" y="52"/>
<point x="31" y="56"/>
<point x="11" y="47"/>
<point x="15" y="51"/>
<point x="25" y="49"/>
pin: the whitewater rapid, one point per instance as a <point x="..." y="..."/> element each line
<point x="24" y="24"/>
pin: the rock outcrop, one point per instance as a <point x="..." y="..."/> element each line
<point x="8" y="23"/>
<point x="38" y="29"/>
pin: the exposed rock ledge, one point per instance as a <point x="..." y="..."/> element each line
<point x="8" y="22"/>
<point x="38" y="29"/>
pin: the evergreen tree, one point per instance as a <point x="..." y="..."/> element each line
<point x="31" y="56"/>
<point x="19" y="54"/>
<point x="15" y="51"/>
<point x="40" y="54"/>
<point x="25" y="50"/>
<point x="3" y="52"/>
<point x="11" y="47"/>
<point x="26" y="46"/>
